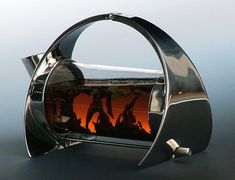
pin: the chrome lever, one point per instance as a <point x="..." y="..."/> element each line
<point x="177" y="150"/>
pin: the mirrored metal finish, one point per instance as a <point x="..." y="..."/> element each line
<point x="31" y="62"/>
<point x="178" y="98"/>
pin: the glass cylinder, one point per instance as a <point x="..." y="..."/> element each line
<point x="101" y="103"/>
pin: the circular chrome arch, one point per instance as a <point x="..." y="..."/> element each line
<point x="187" y="115"/>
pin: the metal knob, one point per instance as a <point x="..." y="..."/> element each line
<point x="177" y="150"/>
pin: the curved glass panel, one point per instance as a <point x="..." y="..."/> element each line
<point x="117" y="106"/>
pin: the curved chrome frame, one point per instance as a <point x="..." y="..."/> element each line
<point x="186" y="118"/>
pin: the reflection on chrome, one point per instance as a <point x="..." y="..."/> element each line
<point x="115" y="68"/>
<point x="166" y="112"/>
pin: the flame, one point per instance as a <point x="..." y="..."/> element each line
<point x="82" y="102"/>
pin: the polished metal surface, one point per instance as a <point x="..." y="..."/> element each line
<point x="183" y="106"/>
<point x="183" y="151"/>
<point x="173" y="145"/>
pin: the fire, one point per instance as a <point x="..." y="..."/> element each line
<point x="82" y="102"/>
